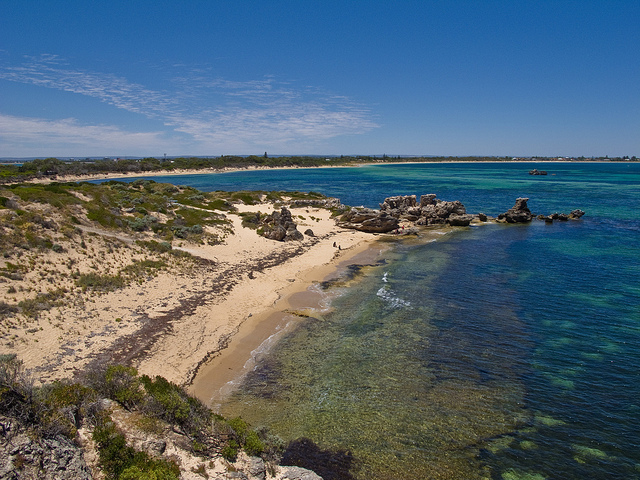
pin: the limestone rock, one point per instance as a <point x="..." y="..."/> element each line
<point x="54" y="458"/>
<point x="297" y="473"/>
<point x="456" y="220"/>
<point x="519" y="213"/>
<point x="320" y="203"/>
<point x="429" y="199"/>
<point x="281" y="227"/>
<point x="401" y="203"/>
<point x="368" y="220"/>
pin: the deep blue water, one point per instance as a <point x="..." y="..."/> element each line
<point x="499" y="351"/>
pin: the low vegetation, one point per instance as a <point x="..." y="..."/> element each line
<point x="62" y="408"/>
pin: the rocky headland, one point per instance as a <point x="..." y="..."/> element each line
<point x="402" y="214"/>
<point x="520" y="213"/>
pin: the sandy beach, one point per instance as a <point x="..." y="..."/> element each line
<point x="195" y="323"/>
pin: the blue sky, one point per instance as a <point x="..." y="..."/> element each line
<point x="116" y="78"/>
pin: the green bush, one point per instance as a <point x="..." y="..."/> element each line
<point x="251" y="219"/>
<point x="118" y="383"/>
<point x="245" y="437"/>
<point x="173" y="404"/>
<point x="230" y="451"/>
<point x="142" y="268"/>
<point x="104" y="283"/>
<point x="253" y="445"/>
<point x="6" y="309"/>
<point x="248" y="198"/>
<point x="122" y="462"/>
<point x="43" y="301"/>
<point x="62" y="406"/>
<point x="153" y="246"/>
<point x="17" y="397"/>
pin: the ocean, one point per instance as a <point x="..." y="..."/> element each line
<point x="494" y="352"/>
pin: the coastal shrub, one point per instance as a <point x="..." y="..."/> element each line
<point x="120" y="461"/>
<point x="103" y="216"/>
<point x="173" y="404"/>
<point x="143" y="268"/>
<point x="104" y="283"/>
<point x="230" y="451"/>
<point x="48" y="411"/>
<point x="192" y="216"/>
<point x="53" y="194"/>
<point x="117" y="382"/>
<point x="43" y="301"/>
<point x="154" y="246"/>
<point x="274" y="197"/>
<point x="253" y="445"/>
<point x="141" y="224"/>
<point x="17" y="397"/>
<point x="251" y="219"/>
<point x="123" y="385"/>
<point x="248" y="198"/>
<point x="220" y="204"/>
<point x="62" y="406"/>
<point x="6" y="309"/>
<point x="245" y="437"/>
<point x="167" y="400"/>
<point x="185" y="232"/>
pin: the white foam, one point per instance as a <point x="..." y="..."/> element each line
<point x="391" y="299"/>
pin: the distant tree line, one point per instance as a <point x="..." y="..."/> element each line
<point x="52" y="167"/>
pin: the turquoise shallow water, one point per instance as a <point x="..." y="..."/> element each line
<point x="504" y="352"/>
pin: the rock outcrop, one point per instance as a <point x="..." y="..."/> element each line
<point x="563" y="217"/>
<point x="394" y="210"/>
<point x="22" y="456"/>
<point x="330" y="202"/>
<point x="280" y="226"/>
<point x="519" y="213"/>
<point x="368" y="220"/>
<point x="535" y="171"/>
<point x="456" y="220"/>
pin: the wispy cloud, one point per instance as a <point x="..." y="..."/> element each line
<point x="216" y="113"/>
<point x="66" y="137"/>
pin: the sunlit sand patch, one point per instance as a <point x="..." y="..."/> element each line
<point x="528" y="445"/>
<point x="500" y="443"/>
<point x="520" y="475"/>
<point x="584" y="453"/>
<point x="548" y="421"/>
<point x="610" y="347"/>
<point x="560" y="382"/>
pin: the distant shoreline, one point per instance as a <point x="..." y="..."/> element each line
<point x="208" y="171"/>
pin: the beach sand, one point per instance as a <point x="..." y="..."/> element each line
<point x="187" y="321"/>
